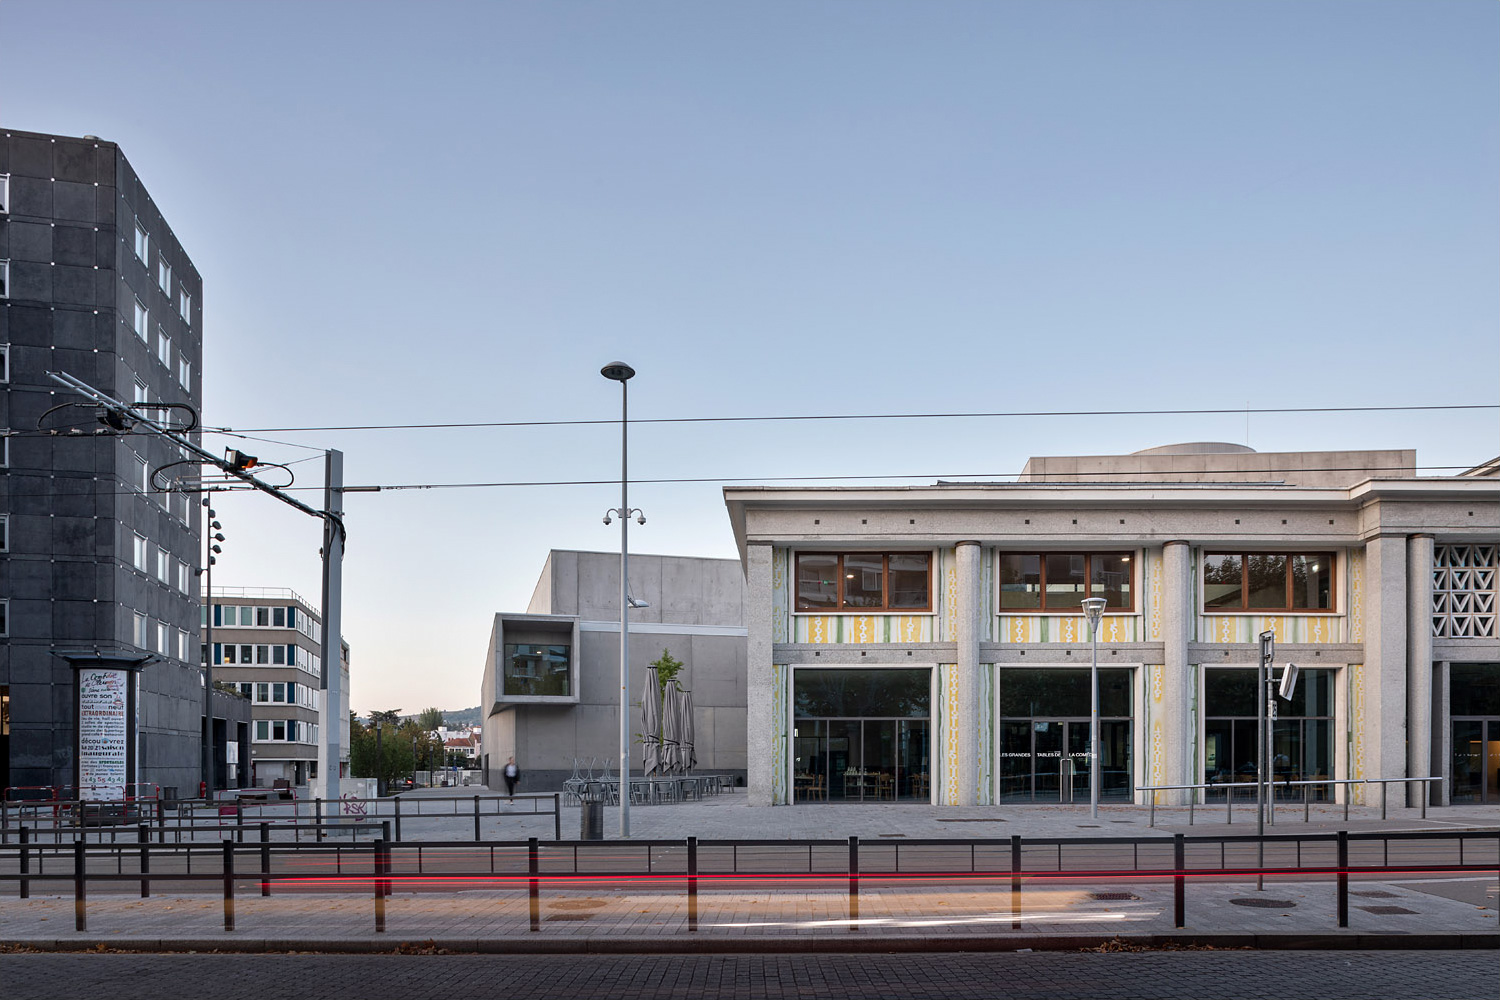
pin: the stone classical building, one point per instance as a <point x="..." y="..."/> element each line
<point x="551" y="684"/>
<point x="97" y="577"/>
<point x="927" y="643"/>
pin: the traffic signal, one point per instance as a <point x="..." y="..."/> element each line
<point x="239" y="461"/>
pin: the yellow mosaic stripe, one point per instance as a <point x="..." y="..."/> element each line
<point x="1357" y="722"/>
<point x="1157" y="673"/>
<point x="780" y="605"/>
<point x="951" y="733"/>
<point x="1357" y="596"/>
<point x="1154" y="598"/>
<point x="779" y="674"/>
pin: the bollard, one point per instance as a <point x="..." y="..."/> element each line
<point x="476" y="818"/>
<point x="80" y="889"/>
<point x="379" y="853"/>
<point x="1179" y="878"/>
<point x="25" y="862"/>
<point x="239" y="821"/>
<point x="265" y="859"/>
<point x="144" y="836"/>
<point x="1382" y="801"/>
<point x="1015" y="883"/>
<point x="397" y="801"/>
<point x="533" y="884"/>
<point x="228" y="883"/>
<point x="1343" y="878"/>
<point x="385" y="856"/>
<point x="692" y="881"/>
<point x="853" y="883"/>
<point x="556" y="816"/>
<point x="318" y="818"/>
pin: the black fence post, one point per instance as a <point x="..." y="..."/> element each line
<point x="228" y="884"/>
<point x="476" y="819"/>
<point x="379" y="856"/>
<point x="397" y="801"/>
<point x="853" y="884"/>
<point x="25" y="862"/>
<point x="692" y="883"/>
<point x="318" y="818"/>
<point x="533" y="884"/>
<point x="556" y="816"/>
<point x="1179" y="879"/>
<point x="265" y="859"/>
<point x="144" y="835"/>
<point x="80" y="889"/>
<point x="1015" y="883"/>
<point x="385" y="855"/>
<point x="1343" y="878"/>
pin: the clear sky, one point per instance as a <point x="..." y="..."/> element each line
<point x="446" y="212"/>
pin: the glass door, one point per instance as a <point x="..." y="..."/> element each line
<point x="1475" y="761"/>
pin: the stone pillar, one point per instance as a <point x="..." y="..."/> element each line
<point x="1177" y="614"/>
<point x="1418" y="663"/>
<point x="1382" y="731"/>
<point x="969" y="583"/>
<point x="760" y="751"/>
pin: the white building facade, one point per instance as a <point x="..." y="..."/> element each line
<point x="928" y="644"/>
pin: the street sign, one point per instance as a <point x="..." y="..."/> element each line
<point x="1267" y="648"/>
<point x="1288" y="682"/>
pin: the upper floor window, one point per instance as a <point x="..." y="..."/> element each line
<point x="4" y="279"/>
<point x="1059" y="581"/>
<point x="4" y="362"/>
<point x="142" y="320"/>
<point x="4" y="192"/>
<point x="533" y="669"/>
<point x="164" y="347"/>
<point x="164" y="275"/>
<point x="185" y="306"/>
<point x="1267" y="581"/>
<point x="4" y="533"/>
<point x="864" y="581"/>
<point x="142" y="242"/>
<point x="184" y="372"/>
<point x="139" y="552"/>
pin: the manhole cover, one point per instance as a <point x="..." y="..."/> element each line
<point x="1388" y="911"/>
<point x="1113" y="895"/>
<point x="1375" y="894"/>
<point x="1265" y="904"/>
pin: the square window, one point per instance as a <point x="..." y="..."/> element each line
<point x="164" y="275"/>
<point x="142" y="320"/>
<point x="542" y="670"/>
<point x="142" y="242"/>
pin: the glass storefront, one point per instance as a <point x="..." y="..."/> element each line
<point x="1474" y="706"/>
<point x="1044" y="735"/>
<point x="1301" y="737"/>
<point x="862" y="735"/>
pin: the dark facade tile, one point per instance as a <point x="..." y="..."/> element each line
<point x="73" y="161"/>
<point x="30" y="157"/>
<point x="30" y="281"/>
<point x="73" y="202"/>
<point x="29" y="241"/>
<point x="30" y="196"/>
<point x="73" y="328"/>
<point x="73" y="286"/>
<point x="73" y="245"/>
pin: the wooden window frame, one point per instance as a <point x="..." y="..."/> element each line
<point x="1088" y="568"/>
<point x="885" y="584"/>
<point x="1286" y="609"/>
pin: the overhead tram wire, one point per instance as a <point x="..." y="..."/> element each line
<point x="1033" y="414"/>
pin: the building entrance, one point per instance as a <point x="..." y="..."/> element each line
<point x="1047" y="760"/>
<point x="1476" y="761"/>
<point x="862" y="735"/>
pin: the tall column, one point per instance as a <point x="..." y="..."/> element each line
<point x="1418" y="663"/>
<point x="1180" y="735"/>
<point x="968" y="672"/>
<point x="760" y="751"/>
<point x="1382" y="732"/>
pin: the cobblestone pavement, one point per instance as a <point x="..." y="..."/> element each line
<point x="1231" y="975"/>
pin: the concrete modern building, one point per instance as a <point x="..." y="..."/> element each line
<point x="927" y="643"/>
<point x="551" y="685"/>
<point x="267" y="644"/>
<point x="98" y="576"/>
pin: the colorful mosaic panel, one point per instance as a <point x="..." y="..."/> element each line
<point x="1156" y="726"/>
<point x="818" y="629"/>
<point x="1067" y="628"/>
<point x="951" y="732"/>
<point x="780" y="680"/>
<point x="1357" y="729"/>
<point x="948" y="559"/>
<point x="1357" y="596"/>
<point x="1153" y="595"/>
<point x="986" y="733"/>
<point x="780" y="595"/>
<point x="1311" y="629"/>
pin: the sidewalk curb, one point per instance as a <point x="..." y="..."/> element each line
<point x="768" y="944"/>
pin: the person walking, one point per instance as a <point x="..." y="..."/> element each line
<point x="512" y="777"/>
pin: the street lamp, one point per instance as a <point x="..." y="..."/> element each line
<point x="212" y="536"/>
<point x="620" y="372"/>
<point x="1093" y="607"/>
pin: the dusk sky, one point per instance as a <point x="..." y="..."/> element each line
<point x="457" y="212"/>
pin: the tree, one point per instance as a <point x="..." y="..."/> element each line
<point x="388" y="755"/>
<point x="430" y="719"/>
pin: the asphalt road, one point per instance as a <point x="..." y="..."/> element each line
<point x="1287" y="975"/>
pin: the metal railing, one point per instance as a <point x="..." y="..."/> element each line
<point x="1306" y="787"/>
<point x="377" y="866"/>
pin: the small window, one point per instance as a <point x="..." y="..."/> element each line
<point x="142" y="242"/>
<point x="262" y="692"/>
<point x="163" y="638"/>
<point x="278" y="692"/>
<point x="263" y="616"/>
<point x="142" y="631"/>
<point x="4" y="533"/>
<point x="262" y="654"/>
<point x="4" y="362"/>
<point x="864" y="581"/>
<point x="4" y="279"/>
<point x="138" y="553"/>
<point x="247" y="615"/>
<point x="278" y="655"/>
<point x="163" y="565"/>
<point x="231" y="652"/>
<point x="278" y="729"/>
<point x="5" y="617"/>
<point x="184" y="372"/>
<point x="246" y="689"/>
<point x="246" y="654"/>
<point x="185" y="306"/>
<point x="142" y="394"/>
<point x="164" y="347"/>
<point x="164" y="275"/>
<point x="142" y="320"/>
<point x="291" y="693"/>
<point x="4" y="192"/>
<point x="142" y="475"/>
<point x="278" y="617"/>
<point x="184" y="644"/>
<point x="262" y="729"/>
<point x="184" y="578"/>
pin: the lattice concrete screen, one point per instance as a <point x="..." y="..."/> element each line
<point x="1463" y="591"/>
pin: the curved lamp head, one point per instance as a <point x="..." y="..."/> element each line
<point x="618" y="370"/>
<point x="1093" y="609"/>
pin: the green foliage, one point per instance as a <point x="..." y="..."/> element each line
<point x="430" y="718"/>
<point x="667" y="668"/>
<point x="400" y="749"/>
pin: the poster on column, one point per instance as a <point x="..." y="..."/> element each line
<point x="102" y="733"/>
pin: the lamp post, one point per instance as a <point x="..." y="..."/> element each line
<point x="1093" y="607"/>
<point x="620" y="372"/>
<point x="212" y="536"/>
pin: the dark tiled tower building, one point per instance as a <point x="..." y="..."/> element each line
<point x="94" y="284"/>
